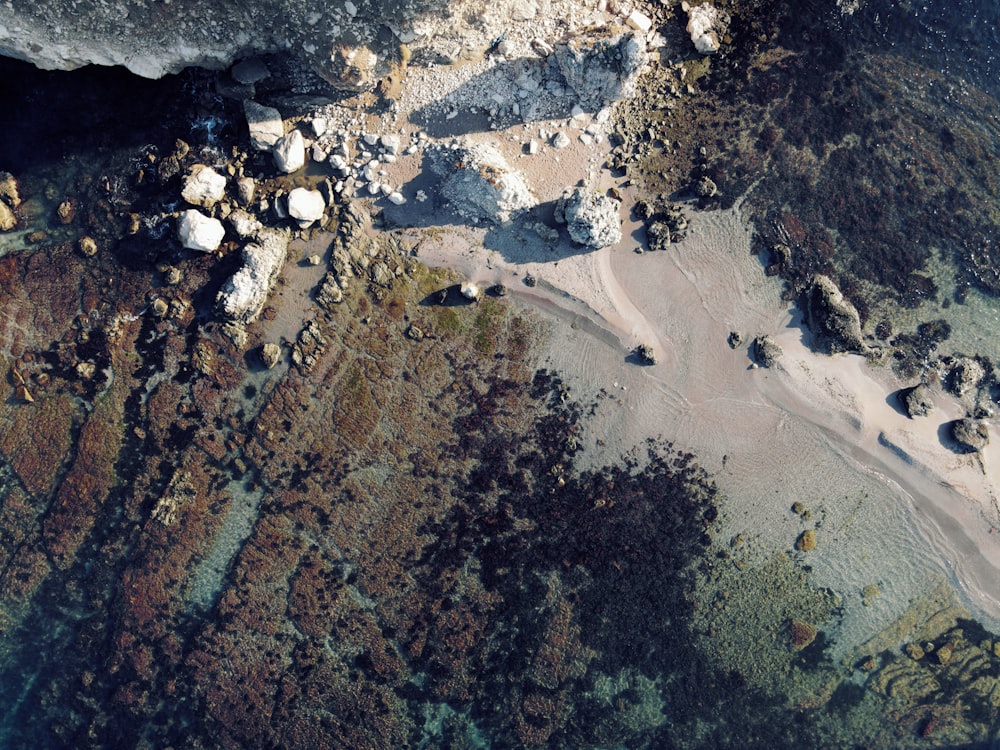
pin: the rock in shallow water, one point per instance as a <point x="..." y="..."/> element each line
<point x="204" y="186"/>
<point x="243" y="296"/>
<point x="306" y="206"/>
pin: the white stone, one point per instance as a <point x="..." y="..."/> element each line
<point x="317" y="153"/>
<point x="244" y="223"/>
<point x="243" y="296"/>
<point x="289" y="153"/>
<point x="592" y="218"/>
<point x="702" y="26"/>
<point x="199" y="232"/>
<point x="374" y="188"/>
<point x="390" y="143"/>
<point x="396" y="198"/>
<point x="318" y="126"/>
<point x="470" y="291"/>
<point x="350" y="8"/>
<point x="306" y="206"/>
<point x="203" y="187"/>
<point x="478" y="183"/>
<point x="532" y="147"/>
<point x="265" y="124"/>
<point x="560" y="140"/>
<point x="639" y="21"/>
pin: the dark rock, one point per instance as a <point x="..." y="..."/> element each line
<point x="766" y="351"/>
<point x="971" y="435"/>
<point x="645" y="354"/>
<point x="832" y="318"/>
<point x="917" y="401"/>
<point x="965" y="376"/>
<point x="735" y="339"/>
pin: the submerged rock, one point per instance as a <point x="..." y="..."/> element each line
<point x="591" y="218"/>
<point x="199" y="232"/>
<point x="478" y="183"/>
<point x="243" y="296"/>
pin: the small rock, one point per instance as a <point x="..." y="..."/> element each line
<point x="250" y="71"/>
<point x="159" y="307"/>
<point x="21" y="393"/>
<point x="7" y="219"/>
<point x="414" y="333"/>
<point x="498" y="290"/>
<point x="914" y="651"/>
<point x="244" y="223"/>
<point x="639" y="21"/>
<point x="289" y="152"/>
<point x="318" y="125"/>
<point x="560" y="140"/>
<point x="203" y="187"/>
<point x="390" y="143"/>
<point x="199" y="232"/>
<point x="396" y="198"/>
<point x="8" y="190"/>
<point x="470" y="291"/>
<point x="705" y="188"/>
<point x="85" y="370"/>
<point x="172" y="275"/>
<point x="806" y="541"/>
<point x="735" y="339"/>
<point x="944" y="653"/>
<point x="265" y="124"/>
<point x="66" y="212"/>
<point x="314" y="260"/>
<point x="87" y="246"/>
<point x="270" y="355"/>
<point x="799" y="508"/>
<point x="530" y="280"/>
<point x="306" y="206"/>
<point x="245" y="187"/>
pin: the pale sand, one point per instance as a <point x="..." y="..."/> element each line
<point x="807" y="430"/>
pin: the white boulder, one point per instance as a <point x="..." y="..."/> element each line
<point x="289" y="152"/>
<point x="591" y="218"/>
<point x="244" y="295"/>
<point x="478" y="183"/>
<point x="265" y="123"/>
<point x="704" y="26"/>
<point x="203" y="187"/>
<point x="306" y="206"/>
<point x="199" y="232"/>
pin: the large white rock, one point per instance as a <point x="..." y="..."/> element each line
<point x="591" y="218"/>
<point x="244" y="295"/>
<point x="203" y="187"/>
<point x="199" y="232"/>
<point x="478" y="183"/>
<point x="704" y="25"/>
<point x="601" y="67"/>
<point x="306" y="206"/>
<point x="265" y="123"/>
<point x="290" y="152"/>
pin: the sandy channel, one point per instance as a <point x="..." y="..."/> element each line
<point x="892" y="504"/>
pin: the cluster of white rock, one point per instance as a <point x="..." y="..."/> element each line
<point x="478" y="184"/>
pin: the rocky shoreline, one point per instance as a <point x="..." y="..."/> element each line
<point x="266" y="461"/>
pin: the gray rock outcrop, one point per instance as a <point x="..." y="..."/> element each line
<point x="591" y="218"/>
<point x="265" y="124"/>
<point x="158" y="37"/>
<point x="602" y="70"/>
<point x="765" y="351"/>
<point x="832" y="318"/>
<point x="917" y="401"/>
<point x="478" y="184"/>
<point x="243" y="296"/>
<point x="970" y="434"/>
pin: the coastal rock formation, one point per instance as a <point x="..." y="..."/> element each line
<point x="765" y="351"/>
<point x="478" y="184"/>
<point x="156" y="38"/>
<point x="601" y="70"/>
<point x="965" y="376"/>
<point x="832" y="318"/>
<point x="590" y="217"/>
<point x="242" y="297"/>
<point x="970" y="434"/>
<point x="199" y="232"/>
<point x="917" y="401"/>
